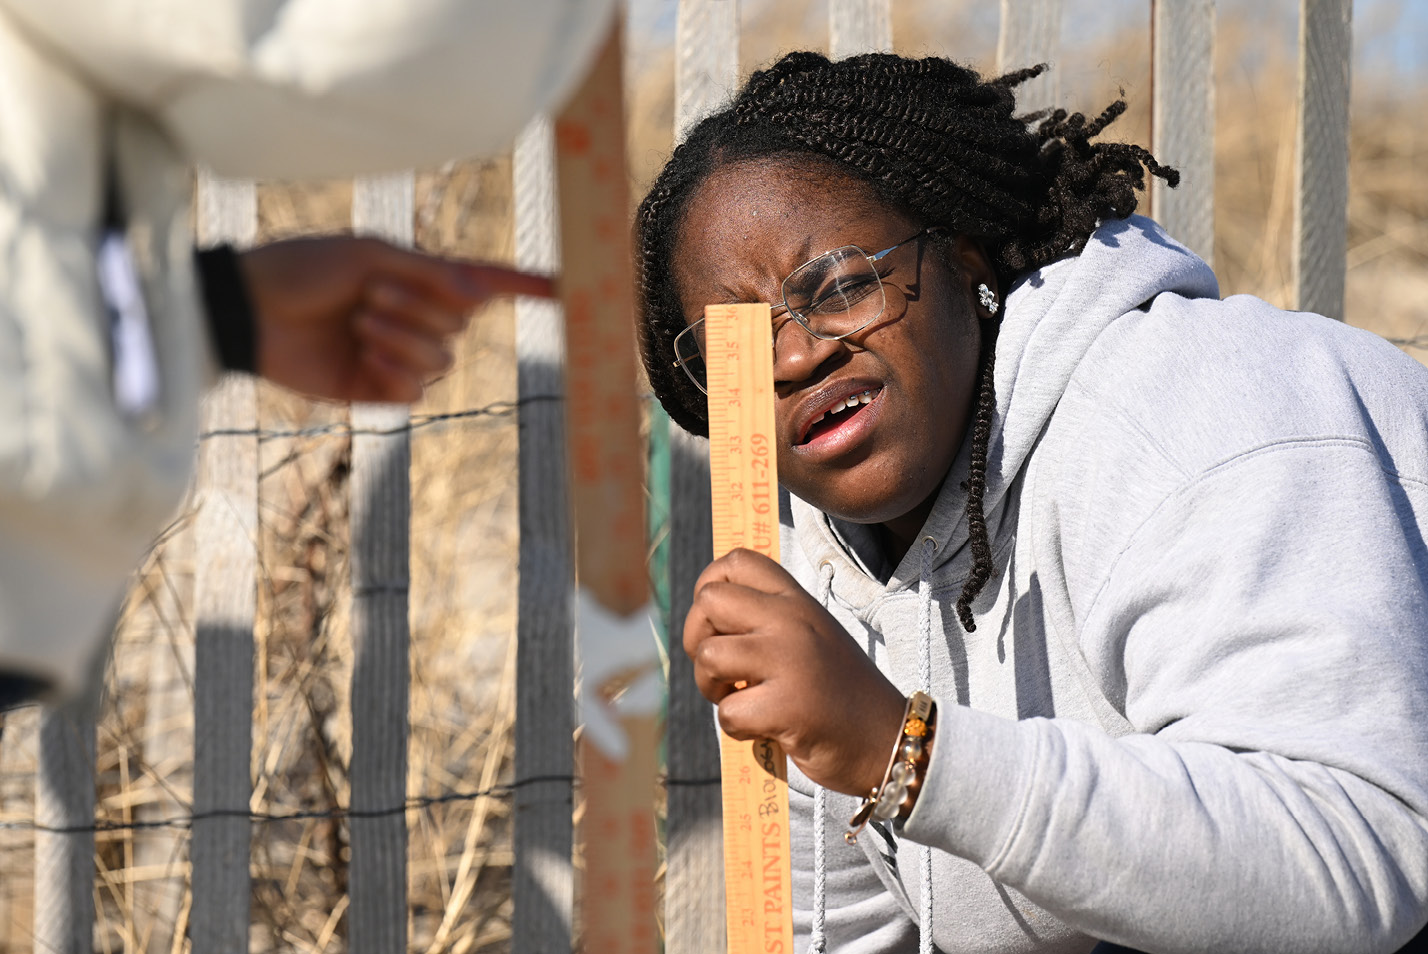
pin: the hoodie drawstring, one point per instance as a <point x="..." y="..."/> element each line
<point x="818" y="936"/>
<point x="924" y="678"/>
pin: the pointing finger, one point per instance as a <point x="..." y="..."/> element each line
<point x="458" y="284"/>
<point x="492" y="280"/>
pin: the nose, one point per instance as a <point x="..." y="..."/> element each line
<point x="798" y="354"/>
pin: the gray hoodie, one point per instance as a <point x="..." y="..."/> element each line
<point x="1194" y="713"/>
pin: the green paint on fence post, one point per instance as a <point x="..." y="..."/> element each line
<point x="657" y="518"/>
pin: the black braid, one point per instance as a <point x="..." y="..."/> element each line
<point x="934" y="141"/>
<point x="977" y="537"/>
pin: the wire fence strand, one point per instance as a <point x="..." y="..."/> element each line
<point x="503" y="790"/>
<point x="414" y="423"/>
<point x="183" y="822"/>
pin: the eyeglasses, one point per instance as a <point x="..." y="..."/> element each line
<point x="835" y="295"/>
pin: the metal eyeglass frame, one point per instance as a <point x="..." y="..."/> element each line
<point x="788" y="309"/>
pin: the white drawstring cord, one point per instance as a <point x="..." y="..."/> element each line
<point x="818" y="936"/>
<point x="818" y="941"/>
<point x="924" y="676"/>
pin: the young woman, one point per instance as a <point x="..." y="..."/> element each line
<point x="1158" y="558"/>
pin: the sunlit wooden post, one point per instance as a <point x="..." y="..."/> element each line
<point x="225" y="602"/>
<point x="859" y="26"/>
<point x="1321" y="176"/>
<point x="381" y="668"/>
<point x="1183" y="119"/>
<point x="542" y="882"/>
<point x="168" y="742"/>
<point x="1030" y="34"/>
<point x="706" y="77"/>
<point x="64" y="860"/>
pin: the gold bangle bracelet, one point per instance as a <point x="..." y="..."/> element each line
<point x="902" y="780"/>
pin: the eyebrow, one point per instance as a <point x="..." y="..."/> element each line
<point x="804" y="254"/>
<point x="733" y="298"/>
<point x="774" y="306"/>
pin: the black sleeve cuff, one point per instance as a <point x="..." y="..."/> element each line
<point x="19" y="690"/>
<point x="231" y="324"/>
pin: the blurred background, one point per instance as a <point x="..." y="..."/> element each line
<point x="464" y="532"/>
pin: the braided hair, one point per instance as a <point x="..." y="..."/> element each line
<point x="934" y="141"/>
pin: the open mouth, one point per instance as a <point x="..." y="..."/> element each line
<point x="839" y="414"/>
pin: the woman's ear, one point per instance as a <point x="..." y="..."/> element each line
<point x="974" y="271"/>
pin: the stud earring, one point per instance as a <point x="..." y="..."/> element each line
<point x="988" y="298"/>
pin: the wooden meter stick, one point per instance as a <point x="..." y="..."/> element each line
<point x="606" y="462"/>
<point x="744" y="479"/>
<point x="596" y="287"/>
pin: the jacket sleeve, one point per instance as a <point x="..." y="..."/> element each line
<point x="302" y="88"/>
<point x="1266" y="632"/>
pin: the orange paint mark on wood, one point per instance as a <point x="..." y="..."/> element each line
<point x="596" y="284"/>
<point x="619" y="837"/>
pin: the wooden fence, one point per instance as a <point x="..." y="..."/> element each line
<point x="544" y="919"/>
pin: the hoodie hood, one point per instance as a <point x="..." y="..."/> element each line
<point x="1052" y="318"/>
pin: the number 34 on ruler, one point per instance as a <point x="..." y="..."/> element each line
<point x="744" y="483"/>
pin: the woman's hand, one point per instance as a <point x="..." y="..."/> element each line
<point x="358" y="319"/>
<point x="806" y="683"/>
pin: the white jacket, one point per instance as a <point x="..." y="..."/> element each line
<point x="146" y="89"/>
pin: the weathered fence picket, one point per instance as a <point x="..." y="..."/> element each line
<point x="859" y="26"/>
<point x="706" y="59"/>
<point x="1321" y="180"/>
<point x="225" y="603"/>
<point x="1182" y="125"/>
<point x="381" y="637"/>
<point x="706" y="74"/>
<point x="168" y="741"/>
<point x="1030" y="33"/>
<point x="226" y="521"/>
<point x="64" y="860"/>
<point x="543" y="880"/>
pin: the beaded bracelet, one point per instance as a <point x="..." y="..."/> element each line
<point x="902" y="781"/>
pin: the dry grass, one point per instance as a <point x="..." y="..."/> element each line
<point x="464" y="533"/>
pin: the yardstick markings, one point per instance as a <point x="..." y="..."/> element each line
<point x="606" y="464"/>
<point x="602" y="408"/>
<point x="744" y="483"/>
